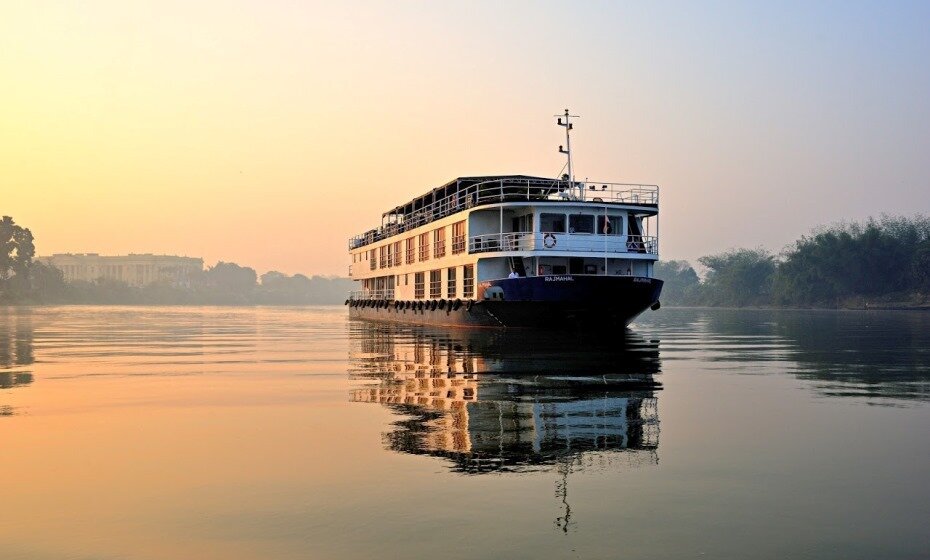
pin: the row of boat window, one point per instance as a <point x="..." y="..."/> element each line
<point x="390" y="283"/>
<point x="415" y="248"/>
<point x="610" y="224"/>
<point x="419" y="249"/>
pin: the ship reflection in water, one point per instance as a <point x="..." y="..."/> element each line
<point x="512" y="401"/>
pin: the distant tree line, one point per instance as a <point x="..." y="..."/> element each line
<point x="24" y="280"/>
<point x="884" y="260"/>
<point x="881" y="261"/>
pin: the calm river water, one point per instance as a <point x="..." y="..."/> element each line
<point x="247" y="433"/>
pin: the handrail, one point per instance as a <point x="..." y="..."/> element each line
<point x="512" y="190"/>
<point x="558" y="241"/>
<point x="371" y="294"/>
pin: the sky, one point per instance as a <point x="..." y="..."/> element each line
<point x="268" y="133"/>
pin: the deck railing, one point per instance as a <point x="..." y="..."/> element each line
<point x="371" y="294"/>
<point x="552" y="241"/>
<point x="512" y="190"/>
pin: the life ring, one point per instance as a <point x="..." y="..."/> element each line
<point x="549" y="241"/>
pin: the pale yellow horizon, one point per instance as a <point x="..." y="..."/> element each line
<point x="267" y="134"/>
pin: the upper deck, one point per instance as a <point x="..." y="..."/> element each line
<point x="469" y="192"/>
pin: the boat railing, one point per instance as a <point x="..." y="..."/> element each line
<point x="559" y="241"/>
<point x="371" y="294"/>
<point x="511" y="190"/>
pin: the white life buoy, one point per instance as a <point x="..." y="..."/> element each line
<point x="549" y="241"/>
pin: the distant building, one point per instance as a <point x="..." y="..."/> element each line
<point x="135" y="270"/>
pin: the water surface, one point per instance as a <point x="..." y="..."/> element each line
<point x="202" y="432"/>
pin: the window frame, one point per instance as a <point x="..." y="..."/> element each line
<point x="468" y="281"/>
<point x="458" y="237"/>
<point x="423" y="246"/>
<point x="542" y="218"/>
<point x="451" y="281"/>
<point x="435" y="283"/>
<point x="573" y="220"/>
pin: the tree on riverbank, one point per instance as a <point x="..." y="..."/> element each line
<point x="738" y="277"/>
<point x="24" y="281"/>
<point x="881" y="260"/>
<point x="870" y="260"/>
<point x="17" y="248"/>
<point x="682" y="284"/>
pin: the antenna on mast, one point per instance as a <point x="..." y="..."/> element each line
<point x="567" y="149"/>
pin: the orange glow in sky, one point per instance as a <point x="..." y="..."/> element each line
<point x="268" y="133"/>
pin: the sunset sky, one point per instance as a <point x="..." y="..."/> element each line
<point x="267" y="133"/>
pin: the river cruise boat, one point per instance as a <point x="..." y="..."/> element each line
<point x="513" y="251"/>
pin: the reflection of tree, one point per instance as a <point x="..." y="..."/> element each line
<point x="9" y="379"/>
<point x="865" y="354"/>
<point x="16" y="340"/>
<point x="16" y="350"/>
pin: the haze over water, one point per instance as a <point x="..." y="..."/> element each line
<point x="294" y="433"/>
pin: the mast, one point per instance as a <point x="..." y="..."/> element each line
<point x="567" y="149"/>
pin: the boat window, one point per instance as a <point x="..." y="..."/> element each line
<point x="418" y="285"/>
<point x="522" y="223"/>
<point x="450" y="283"/>
<point x="559" y="269"/>
<point x="633" y="226"/>
<point x="613" y="225"/>
<point x="581" y="223"/>
<point x="458" y="237"/>
<point x="554" y="223"/>
<point x="439" y="242"/>
<point x="468" y="281"/>
<point x="435" y="283"/>
<point x="411" y="244"/>
<point x="424" y="246"/>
